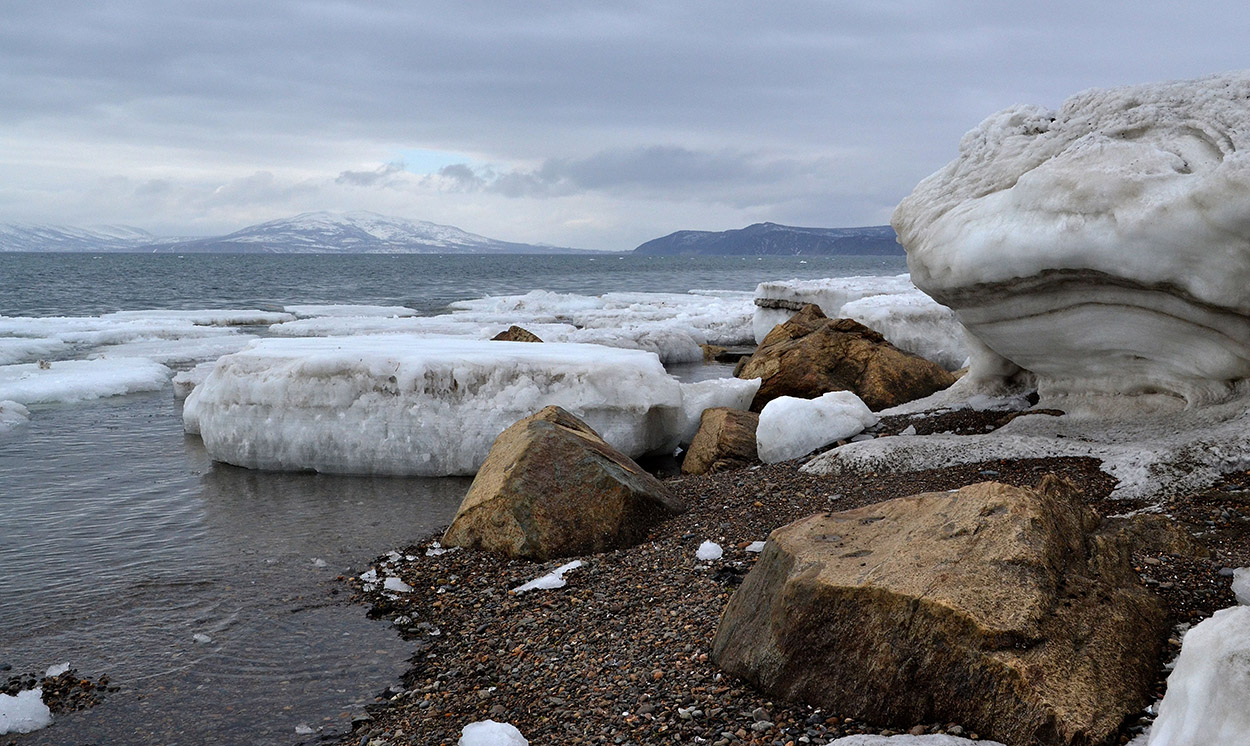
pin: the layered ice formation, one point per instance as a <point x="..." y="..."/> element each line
<point x="405" y="405"/>
<point x="791" y="427"/>
<point x="1102" y="249"/>
<point x="1208" y="691"/>
<point x="892" y="305"/>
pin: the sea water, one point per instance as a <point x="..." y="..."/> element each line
<point x="123" y="546"/>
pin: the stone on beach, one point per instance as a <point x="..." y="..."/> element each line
<point x="551" y="487"/>
<point x="1002" y="608"/>
<point x="515" y="333"/>
<point x="811" y="355"/>
<point x="1102" y="249"/>
<point x="402" y="405"/>
<point x="725" y="440"/>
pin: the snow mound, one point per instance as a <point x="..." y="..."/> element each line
<point x="411" y="406"/>
<point x="1207" y="692"/>
<point x="24" y="712"/>
<point x="12" y="415"/>
<point x="491" y="733"/>
<point x="791" y="427"/>
<point x="1103" y="248"/>
<point x="550" y="581"/>
<point x="905" y="740"/>
<point x="77" y="380"/>
<point x="734" y="393"/>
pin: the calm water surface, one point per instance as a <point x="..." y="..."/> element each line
<point x="120" y="540"/>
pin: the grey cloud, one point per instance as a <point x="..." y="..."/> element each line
<point x="380" y="176"/>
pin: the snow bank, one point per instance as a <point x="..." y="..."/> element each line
<point x="1150" y="456"/>
<point x="550" y="581"/>
<point x="12" y="416"/>
<point x="1207" y="692"/>
<point x="791" y="427"/>
<point x="76" y="380"/>
<point x="490" y="733"/>
<point x="893" y="306"/>
<point x="734" y="393"/>
<point x="23" y="713"/>
<point x="404" y="405"/>
<point x="1103" y="247"/>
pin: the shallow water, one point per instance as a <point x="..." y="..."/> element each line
<point x="121" y="541"/>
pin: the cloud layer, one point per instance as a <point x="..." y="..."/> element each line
<point x="598" y="125"/>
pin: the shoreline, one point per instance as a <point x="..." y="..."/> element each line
<point x="620" y="654"/>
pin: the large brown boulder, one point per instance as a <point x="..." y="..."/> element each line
<point x="725" y="440"/>
<point x="811" y="355"/>
<point x="515" y="333"/>
<point x="1001" y="608"/>
<point x="551" y="487"/>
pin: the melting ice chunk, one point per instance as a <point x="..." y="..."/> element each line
<point x="24" y="712"/>
<point x="553" y="579"/>
<point x="708" y="551"/>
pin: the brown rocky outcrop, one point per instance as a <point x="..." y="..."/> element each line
<point x="551" y="487"/>
<point x="725" y="440"/>
<point x="515" y="333"/>
<point x="811" y="355"/>
<point x="1005" y="609"/>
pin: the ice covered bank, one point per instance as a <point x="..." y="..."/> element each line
<point x="397" y="404"/>
<point x="1103" y="248"/>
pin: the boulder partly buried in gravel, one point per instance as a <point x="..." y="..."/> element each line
<point x="725" y="440"/>
<point x="515" y="333"/>
<point x="811" y="355"/>
<point x="1002" y="608"/>
<point x="551" y="487"/>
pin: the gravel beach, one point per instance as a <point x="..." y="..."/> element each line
<point x="620" y="654"/>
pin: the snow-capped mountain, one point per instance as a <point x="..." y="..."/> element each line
<point x="25" y="237"/>
<point x="355" y="233"/>
<point x="774" y="239"/>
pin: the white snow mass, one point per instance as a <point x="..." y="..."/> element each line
<point x="24" y="712"/>
<point x="491" y="733"/>
<point x="708" y="551"/>
<point x="410" y="406"/>
<point x="734" y="393"/>
<point x="1207" y="692"/>
<point x="791" y="427"/>
<point x="550" y="581"/>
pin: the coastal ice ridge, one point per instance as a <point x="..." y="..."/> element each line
<point x="404" y="405"/>
<point x="890" y="305"/>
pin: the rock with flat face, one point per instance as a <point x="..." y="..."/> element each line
<point x="515" y="333"/>
<point x="1001" y="608"/>
<point x="551" y="487"/>
<point x="725" y="440"/>
<point x="1103" y="248"/>
<point x="811" y="355"/>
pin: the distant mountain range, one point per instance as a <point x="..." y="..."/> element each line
<point x="778" y="240"/>
<point x="307" y="233"/>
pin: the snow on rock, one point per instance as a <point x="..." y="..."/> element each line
<point x="709" y="551"/>
<point x="341" y="310"/>
<point x="76" y="380"/>
<point x="403" y="405"/>
<point x="1241" y="585"/>
<point x="1103" y="248"/>
<point x="24" y="712"/>
<point x="1151" y="457"/>
<point x="491" y="733"/>
<point x="893" y="306"/>
<point x="550" y="581"/>
<point x="906" y="740"/>
<point x="1207" y="691"/>
<point x="791" y="427"/>
<point x="734" y="393"/>
<point x="12" y="415"/>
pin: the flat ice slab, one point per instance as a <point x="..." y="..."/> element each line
<point x="403" y="405"/>
<point x="76" y="380"/>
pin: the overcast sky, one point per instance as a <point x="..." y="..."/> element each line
<point x="580" y="123"/>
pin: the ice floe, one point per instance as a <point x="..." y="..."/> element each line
<point x="67" y="381"/>
<point x="1103" y="247"/>
<point x="1207" y="691"/>
<point x="340" y="310"/>
<point x="406" y="405"/>
<point x="22" y="350"/>
<point x="791" y="427"/>
<point x="24" y="712"/>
